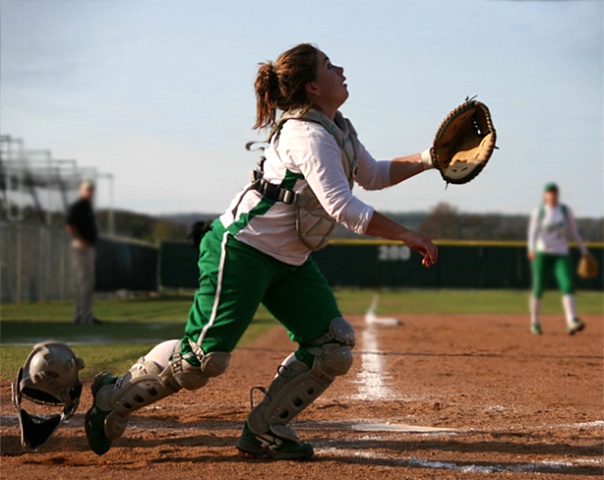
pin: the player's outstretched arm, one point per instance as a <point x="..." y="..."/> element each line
<point x="382" y="226"/>
<point x="402" y="168"/>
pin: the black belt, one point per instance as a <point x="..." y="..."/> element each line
<point x="274" y="192"/>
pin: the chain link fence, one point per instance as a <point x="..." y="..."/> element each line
<point x="35" y="263"/>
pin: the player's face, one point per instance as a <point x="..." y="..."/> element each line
<point x="328" y="90"/>
<point x="551" y="198"/>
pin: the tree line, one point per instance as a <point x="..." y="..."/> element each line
<point x="442" y="222"/>
<point x="446" y="222"/>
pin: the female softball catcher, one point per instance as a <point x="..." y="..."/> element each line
<point x="549" y="227"/>
<point x="258" y="252"/>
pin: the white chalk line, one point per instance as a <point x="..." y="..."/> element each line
<point x="594" y="424"/>
<point x="371" y="379"/>
<point x="372" y="386"/>
<point x="461" y="467"/>
<point x="360" y="425"/>
<point x="389" y="428"/>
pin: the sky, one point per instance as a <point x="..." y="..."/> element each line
<point x="159" y="93"/>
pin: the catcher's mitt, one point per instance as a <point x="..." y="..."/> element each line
<point x="588" y="267"/>
<point x="464" y="142"/>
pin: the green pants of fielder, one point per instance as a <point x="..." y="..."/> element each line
<point x="236" y="278"/>
<point x="562" y="267"/>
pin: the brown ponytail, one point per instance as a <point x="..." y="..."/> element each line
<point x="282" y="85"/>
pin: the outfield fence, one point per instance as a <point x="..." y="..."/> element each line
<point x="461" y="264"/>
<point x="36" y="264"/>
<point x="379" y="263"/>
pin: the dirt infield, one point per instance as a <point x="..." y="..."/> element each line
<point x="449" y="397"/>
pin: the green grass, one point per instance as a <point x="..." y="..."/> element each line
<point x="459" y="301"/>
<point x="160" y="309"/>
<point x="114" y="358"/>
<point x="132" y="327"/>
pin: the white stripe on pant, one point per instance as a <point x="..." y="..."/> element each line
<point x="225" y="238"/>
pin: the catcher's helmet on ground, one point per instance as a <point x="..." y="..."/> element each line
<point x="48" y="377"/>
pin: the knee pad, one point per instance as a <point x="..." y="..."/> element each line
<point x="334" y="362"/>
<point x="192" y="377"/>
<point x="333" y="351"/>
<point x="340" y="332"/>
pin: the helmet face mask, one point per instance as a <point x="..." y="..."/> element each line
<point x="50" y="377"/>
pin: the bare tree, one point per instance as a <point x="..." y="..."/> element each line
<point x="443" y="222"/>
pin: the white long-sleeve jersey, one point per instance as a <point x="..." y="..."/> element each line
<point x="549" y="229"/>
<point x="303" y="153"/>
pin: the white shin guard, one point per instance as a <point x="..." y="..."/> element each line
<point x="153" y="377"/>
<point x="296" y="386"/>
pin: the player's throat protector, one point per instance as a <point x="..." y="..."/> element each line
<point x="50" y="376"/>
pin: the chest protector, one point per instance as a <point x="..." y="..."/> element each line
<point x="313" y="224"/>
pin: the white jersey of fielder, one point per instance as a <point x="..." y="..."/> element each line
<point x="549" y="229"/>
<point x="303" y="153"/>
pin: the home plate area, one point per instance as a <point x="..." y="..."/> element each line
<point x="428" y="397"/>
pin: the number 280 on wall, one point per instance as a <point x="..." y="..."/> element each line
<point x="393" y="253"/>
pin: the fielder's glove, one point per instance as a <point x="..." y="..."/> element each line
<point x="464" y="142"/>
<point x="588" y="266"/>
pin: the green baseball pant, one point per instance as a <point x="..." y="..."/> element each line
<point x="236" y="278"/>
<point x="562" y="267"/>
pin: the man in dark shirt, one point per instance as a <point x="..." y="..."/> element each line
<point x="81" y="225"/>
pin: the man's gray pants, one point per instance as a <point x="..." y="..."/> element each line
<point x="83" y="269"/>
